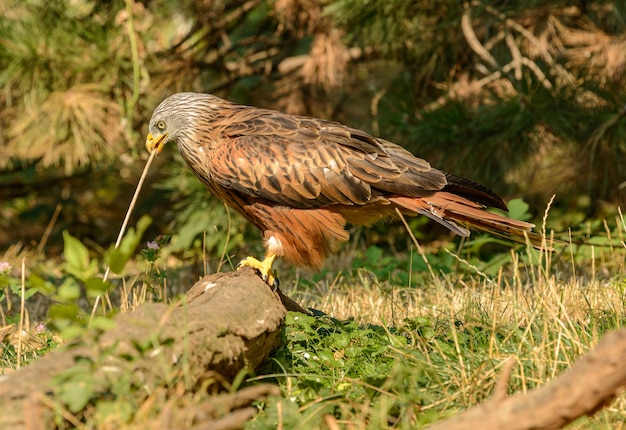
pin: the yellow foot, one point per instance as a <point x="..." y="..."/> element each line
<point x="264" y="268"/>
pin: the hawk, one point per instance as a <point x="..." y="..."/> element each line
<point x="300" y="180"/>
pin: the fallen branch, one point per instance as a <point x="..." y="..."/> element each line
<point x="228" y="322"/>
<point x="589" y="385"/>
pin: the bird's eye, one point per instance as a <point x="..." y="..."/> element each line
<point x="160" y="125"/>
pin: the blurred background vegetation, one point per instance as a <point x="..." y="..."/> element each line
<point x="525" y="97"/>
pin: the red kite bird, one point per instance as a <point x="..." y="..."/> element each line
<point x="300" y="180"/>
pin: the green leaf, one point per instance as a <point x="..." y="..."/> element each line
<point x="374" y="253"/>
<point x="518" y="209"/>
<point x="114" y="411"/>
<point x="68" y="291"/>
<point x="77" y="393"/>
<point x="76" y="254"/>
<point x="77" y="262"/>
<point x="64" y="311"/>
<point x="42" y="286"/>
<point x="72" y="331"/>
<point x="16" y="288"/>
<point x="95" y="287"/>
<point x="327" y="356"/>
<point x="102" y="323"/>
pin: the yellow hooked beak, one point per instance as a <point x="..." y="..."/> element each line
<point x="156" y="144"/>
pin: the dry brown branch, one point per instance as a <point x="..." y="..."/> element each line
<point x="228" y="322"/>
<point x="516" y="54"/>
<point x="473" y="42"/>
<point x="293" y="64"/>
<point x="465" y="89"/>
<point x="537" y="71"/>
<point x="589" y="385"/>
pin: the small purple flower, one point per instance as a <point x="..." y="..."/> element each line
<point x="5" y="266"/>
<point x="152" y="245"/>
<point x="41" y="327"/>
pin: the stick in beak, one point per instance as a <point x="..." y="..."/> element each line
<point x="155" y="144"/>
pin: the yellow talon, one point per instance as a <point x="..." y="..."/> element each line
<point x="263" y="267"/>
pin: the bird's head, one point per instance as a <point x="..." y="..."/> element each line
<point x="170" y="121"/>
<point x="158" y="135"/>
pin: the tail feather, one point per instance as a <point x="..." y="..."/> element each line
<point x="473" y="191"/>
<point x="458" y="213"/>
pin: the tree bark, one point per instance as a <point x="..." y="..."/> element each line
<point x="228" y="322"/>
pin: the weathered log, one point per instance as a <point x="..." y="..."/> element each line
<point x="586" y="387"/>
<point x="228" y="322"/>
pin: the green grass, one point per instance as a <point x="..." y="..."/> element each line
<point x="405" y="341"/>
<point x="437" y="350"/>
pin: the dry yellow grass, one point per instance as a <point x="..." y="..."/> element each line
<point x="545" y="319"/>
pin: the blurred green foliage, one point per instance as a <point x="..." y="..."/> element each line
<point x="526" y="98"/>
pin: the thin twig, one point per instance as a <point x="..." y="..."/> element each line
<point x="417" y="244"/>
<point x="22" y="314"/>
<point x="46" y="233"/>
<point x="619" y="210"/>
<point x="471" y="266"/>
<point x="131" y="207"/>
